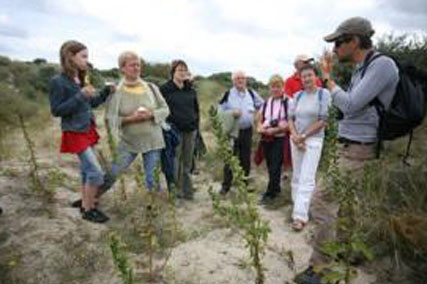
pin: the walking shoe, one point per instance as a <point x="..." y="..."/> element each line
<point x="308" y="276"/>
<point x="223" y="191"/>
<point x="101" y="214"/>
<point x="188" y="196"/>
<point x="95" y="216"/>
<point x="266" y="199"/>
<point x="77" y="203"/>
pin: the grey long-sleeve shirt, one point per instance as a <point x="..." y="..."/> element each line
<point x="360" y="122"/>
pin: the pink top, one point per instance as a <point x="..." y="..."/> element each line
<point x="274" y="109"/>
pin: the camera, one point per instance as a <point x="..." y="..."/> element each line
<point x="274" y="123"/>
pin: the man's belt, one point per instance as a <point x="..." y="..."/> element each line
<point x="348" y="141"/>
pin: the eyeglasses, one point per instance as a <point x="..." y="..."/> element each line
<point x="342" y="40"/>
<point x="133" y="65"/>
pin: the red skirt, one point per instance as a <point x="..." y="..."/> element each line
<point x="76" y="142"/>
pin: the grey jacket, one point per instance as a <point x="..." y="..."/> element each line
<point x="360" y="122"/>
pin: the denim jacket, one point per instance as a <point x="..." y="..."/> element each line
<point x="69" y="102"/>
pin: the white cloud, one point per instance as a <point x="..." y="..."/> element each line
<point x="261" y="37"/>
<point x="4" y="19"/>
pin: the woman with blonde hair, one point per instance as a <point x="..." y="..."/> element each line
<point x="72" y="98"/>
<point x="272" y="124"/>
<point x="134" y="116"/>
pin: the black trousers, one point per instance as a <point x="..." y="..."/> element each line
<point x="242" y="149"/>
<point x="273" y="154"/>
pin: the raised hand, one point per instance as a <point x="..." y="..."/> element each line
<point x="326" y="62"/>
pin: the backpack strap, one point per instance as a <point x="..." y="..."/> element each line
<point x="264" y="108"/>
<point x="155" y="91"/>
<point x="285" y="107"/>
<point x="320" y="103"/>
<point x="370" y="57"/>
<point x="299" y="95"/>
<point x="252" y="94"/>
<point x="379" y="106"/>
<point x="224" y="98"/>
<point x="284" y="104"/>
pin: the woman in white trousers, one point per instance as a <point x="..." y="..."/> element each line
<point x="308" y="113"/>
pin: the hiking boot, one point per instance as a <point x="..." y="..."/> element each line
<point x="95" y="216"/>
<point x="308" y="276"/>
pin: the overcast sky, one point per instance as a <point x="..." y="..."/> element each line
<point x="261" y="37"/>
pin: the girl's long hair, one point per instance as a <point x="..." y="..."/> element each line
<point x="69" y="49"/>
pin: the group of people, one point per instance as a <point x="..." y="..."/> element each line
<point x="161" y="124"/>
<point x="291" y="126"/>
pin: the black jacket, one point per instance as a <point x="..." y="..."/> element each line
<point x="183" y="105"/>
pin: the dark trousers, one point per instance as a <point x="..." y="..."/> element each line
<point x="273" y="153"/>
<point x="242" y="149"/>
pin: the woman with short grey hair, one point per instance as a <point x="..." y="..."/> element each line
<point x="135" y="115"/>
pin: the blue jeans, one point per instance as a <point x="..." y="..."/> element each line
<point x="90" y="169"/>
<point x="125" y="158"/>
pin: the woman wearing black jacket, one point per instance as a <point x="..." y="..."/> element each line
<point x="183" y="119"/>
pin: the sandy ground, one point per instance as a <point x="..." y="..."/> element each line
<point x="51" y="244"/>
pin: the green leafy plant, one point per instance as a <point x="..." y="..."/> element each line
<point x="242" y="212"/>
<point x="120" y="259"/>
<point x="34" y="172"/>
<point x="154" y="226"/>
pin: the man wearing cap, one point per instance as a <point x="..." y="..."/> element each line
<point x="357" y="130"/>
<point x="293" y="83"/>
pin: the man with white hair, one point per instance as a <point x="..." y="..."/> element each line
<point x="243" y="104"/>
<point x="293" y="83"/>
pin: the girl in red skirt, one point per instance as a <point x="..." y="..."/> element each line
<point x="72" y="100"/>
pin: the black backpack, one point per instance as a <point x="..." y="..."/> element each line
<point x="227" y="94"/>
<point x="408" y="106"/>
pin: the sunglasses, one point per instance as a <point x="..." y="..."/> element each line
<point x="342" y="40"/>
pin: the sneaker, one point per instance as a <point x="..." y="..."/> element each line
<point x="78" y="204"/>
<point x="308" y="276"/>
<point x="101" y="214"/>
<point x="94" y="215"/>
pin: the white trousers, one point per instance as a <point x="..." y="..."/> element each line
<point x="304" y="163"/>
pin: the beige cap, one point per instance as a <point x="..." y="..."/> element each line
<point x="352" y="26"/>
<point x="303" y="58"/>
